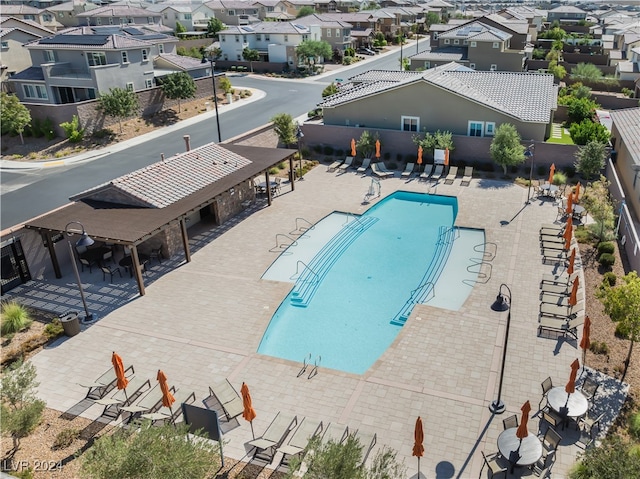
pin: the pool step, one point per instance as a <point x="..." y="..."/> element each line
<point x="444" y="245"/>
<point x="309" y="280"/>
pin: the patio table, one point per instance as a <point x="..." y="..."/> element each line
<point x="127" y="262"/>
<point x="567" y="405"/>
<point x="548" y="189"/>
<point x="519" y="453"/>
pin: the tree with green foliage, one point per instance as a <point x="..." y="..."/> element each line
<point x="579" y="90"/>
<point x="366" y="144"/>
<point x="558" y="71"/>
<point x="305" y="11"/>
<point x="119" y="103"/>
<point x="151" y="452"/>
<point x="285" y="128"/>
<point x="180" y="28"/>
<point x="331" y="89"/>
<point x="14" y="116"/>
<point x="587" y="131"/>
<point x="441" y="140"/>
<point x="251" y="56"/>
<point x="20" y="409"/>
<point x="615" y="458"/>
<point x="586" y="71"/>
<point x="590" y="159"/>
<point x="379" y="40"/>
<point x="225" y="84"/>
<point x="214" y="25"/>
<point x="179" y="86"/>
<point x="555" y="33"/>
<point x="622" y="304"/>
<point x="72" y="130"/>
<point x="313" y="51"/>
<point x="430" y="19"/>
<point x="405" y="63"/>
<point x="597" y="202"/>
<point x="506" y="148"/>
<point x="579" y="109"/>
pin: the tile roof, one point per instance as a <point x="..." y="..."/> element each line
<point x="75" y="41"/>
<point x="476" y="30"/>
<point x="19" y="10"/>
<point x="442" y="54"/>
<point x="30" y="74"/>
<point x="525" y="96"/>
<point x="30" y="23"/>
<point x="6" y="31"/>
<point x="627" y="122"/>
<point x="323" y="21"/>
<point x="116" y="11"/>
<point x="567" y="9"/>
<point x="182" y="62"/>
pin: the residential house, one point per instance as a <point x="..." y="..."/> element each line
<point x="364" y="25"/>
<point x="450" y="97"/>
<point x="174" y="14"/>
<point x="119" y="15"/>
<point x="229" y="12"/>
<point x="630" y="70"/>
<point x="80" y="63"/>
<point x="201" y="15"/>
<point x="386" y="22"/>
<point x="65" y="13"/>
<point x="324" y="27"/>
<point x="624" y="138"/>
<point x="566" y="14"/>
<point x="294" y="6"/>
<point x="274" y="10"/>
<point x="444" y="7"/>
<point x="326" y="6"/>
<point x="26" y="12"/>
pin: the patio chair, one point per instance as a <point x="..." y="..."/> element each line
<point x="588" y="422"/>
<point x="104" y="384"/>
<point x="106" y="270"/>
<point x="451" y="176"/>
<point x="277" y="183"/>
<point x="336" y="164"/>
<point x="336" y="433"/>
<point x="156" y="253"/>
<point x="108" y="256"/>
<point x="367" y="440"/>
<point x="365" y="165"/>
<point x="589" y="388"/>
<point x="171" y="415"/>
<point x="559" y="299"/>
<point x="86" y="263"/>
<point x="551" y="441"/>
<point x="467" y="176"/>
<point x="266" y="445"/>
<point x="306" y="430"/>
<point x="546" y="385"/>
<point x="347" y="163"/>
<point x="551" y="246"/>
<point x="558" y="289"/>
<point x="552" y="238"/>
<point x="408" y="170"/>
<point x="123" y="397"/>
<point x="555" y="256"/>
<point x="148" y="403"/>
<point x="228" y="398"/>
<point x="552" y="418"/>
<point x="380" y="170"/>
<point x="428" y="168"/>
<point x="436" y="174"/>
<point x="561" y="214"/>
<point x="542" y="467"/>
<point x="553" y="310"/>
<point x="509" y="422"/>
<point x="496" y="464"/>
<point x="563" y="279"/>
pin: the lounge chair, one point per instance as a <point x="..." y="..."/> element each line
<point x="335" y="432"/>
<point x="123" y="397"/>
<point x="336" y="164"/>
<point x="467" y="176"/>
<point x="306" y="430"/>
<point x="553" y="310"/>
<point x="554" y="255"/>
<point x="380" y="170"/>
<point x="367" y="440"/>
<point x="557" y="289"/>
<point x="564" y="278"/>
<point x="265" y="446"/>
<point x="428" y="168"/>
<point x="148" y="403"/>
<point x="436" y="174"/>
<point x="228" y="398"/>
<point x="554" y="245"/>
<point x="451" y="176"/>
<point x="408" y="170"/>
<point x="556" y="238"/>
<point x="104" y="384"/>
<point x="173" y="413"/>
<point x="347" y="163"/>
<point x="552" y="226"/>
<point x="559" y="300"/>
<point x="561" y="325"/>
<point x="365" y="165"/>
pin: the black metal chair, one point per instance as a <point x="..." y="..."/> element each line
<point x="86" y="263"/>
<point x="495" y="463"/>
<point x="589" y="388"/>
<point x="157" y="254"/>
<point x="110" y="271"/>
<point x="509" y="422"/>
<point x="547" y="385"/>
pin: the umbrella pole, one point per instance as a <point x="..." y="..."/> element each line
<point x="252" y="434"/>
<point x="418" y="467"/>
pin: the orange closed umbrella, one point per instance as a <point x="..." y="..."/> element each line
<point x="377" y="148"/>
<point x="570" y="205"/>
<point x="567" y="240"/>
<point x="118" y="367"/>
<point x="573" y="299"/>
<point x="572" y="260"/>
<point x="353" y="147"/>
<point x="552" y="170"/>
<point x="418" y="439"/>
<point x="446" y="157"/>
<point x="419" y="160"/>
<point x="571" y="385"/>
<point x="577" y="194"/>
<point x="585" y="343"/>
<point x="522" y="431"/>
<point x="167" y="397"/>
<point x="249" y="413"/>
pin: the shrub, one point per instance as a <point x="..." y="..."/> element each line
<point x="317" y="148"/>
<point x="15" y="317"/>
<point x="386" y="156"/>
<point x="328" y="150"/>
<point x="606" y="247"/>
<point x="399" y="157"/>
<point x="65" y="438"/>
<point x="559" y="178"/>
<point x="570" y="171"/>
<point x="623" y="330"/>
<point x="72" y="129"/>
<point x="273" y="171"/>
<point x="599" y="347"/>
<point x="607" y="260"/>
<point x="53" y="329"/>
<point x="340" y="153"/>
<point x="393" y="165"/>
<point x="634" y="425"/>
<point x="282" y="165"/>
<point x="609" y="279"/>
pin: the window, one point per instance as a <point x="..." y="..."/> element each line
<point x="160" y="48"/>
<point x="98" y="21"/>
<point x="150" y="20"/>
<point x="493" y="67"/>
<point x="338" y="33"/>
<point x="267" y="37"/>
<point x="49" y="56"/>
<point x="30" y="17"/>
<point x="110" y="20"/>
<point x="259" y="37"/>
<point x="496" y="44"/>
<point x="165" y="16"/>
<point x="489" y="128"/>
<point x="410" y="123"/>
<point x="456" y="41"/>
<point x="130" y="86"/>
<point x="47" y="17"/>
<point x="232" y="13"/>
<point x="244" y="38"/>
<point x="475" y="128"/>
<point x="96" y="58"/>
<point x="223" y="38"/>
<point x="125" y="57"/>
<point x="328" y="33"/>
<point x="131" y="20"/>
<point x="435" y="35"/>
<point x="474" y="44"/>
<point x="427" y="65"/>
<point x="286" y="38"/>
<point x="472" y="66"/>
<point x="187" y="16"/>
<point x="237" y="38"/>
<point x="5" y="44"/>
<point x="447" y="41"/>
<point x="35" y="91"/>
<point x="148" y="83"/>
<point x="145" y="55"/>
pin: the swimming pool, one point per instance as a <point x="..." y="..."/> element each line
<point x="357" y="278"/>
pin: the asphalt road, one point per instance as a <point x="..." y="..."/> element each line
<point x="27" y="194"/>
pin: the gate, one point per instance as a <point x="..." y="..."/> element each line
<point x="13" y="266"/>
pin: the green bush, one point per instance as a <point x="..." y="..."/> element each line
<point x="65" y="438"/>
<point x="634" y="425"/>
<point x="15" y="317"/>
<point x="282" y="165"/>
<point x="607" y="260"/>
<point x="53" y="329"/>
<point x="72" y="130"/>
<point x="623" y="330"/>
<point x="386" y="156"/>
<point x="273" y="171"/>
<point x="317" y="148"/>
<point x="609" y="279"/>
<point x="606" y="247"/>
<point x="47" y="129"/>
<point x="340" y="153"/>
<point x="570" y="171"/>
<point x="392" y="165"/>
<point x="559" y="178"/>
<point x="599" y="347"/>
<point x="582" y="235"/>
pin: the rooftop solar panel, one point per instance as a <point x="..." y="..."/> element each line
<point x="132" y="31"/>
<point x="75" y="40"/>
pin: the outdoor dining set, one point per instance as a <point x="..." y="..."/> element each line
<point x="102" y="255"/>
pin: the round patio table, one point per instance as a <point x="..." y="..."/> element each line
<point x="519" y="453"/>
<point x="571" y="405"/>
<point x="548" y="189"/>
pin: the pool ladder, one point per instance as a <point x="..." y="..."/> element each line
<point x="301" y="230"/>
<point x="282" y="245"/>
<point x="306" y="362"/>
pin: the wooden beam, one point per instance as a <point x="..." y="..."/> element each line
<point x="185" y="240"/>
<point x="135" y="264"/>
<point x="268" y="187"/>
<point x="48" y="241"/>
<point x="292" y="174"/>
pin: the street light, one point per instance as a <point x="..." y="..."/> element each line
<point x="502" y="303"/>
<point x="299" y="136"/>
<point x="212" y="60"/>
<point x="401" y="64"/>
<point x="529" y="154"/>
<point x="85" y="240"/>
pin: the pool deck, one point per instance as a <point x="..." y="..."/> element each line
<point x="203" y="322"/>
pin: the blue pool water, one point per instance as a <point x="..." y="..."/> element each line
<point x="353" y="293"/>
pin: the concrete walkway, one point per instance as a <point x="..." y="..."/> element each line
<point x="203" y="321"/>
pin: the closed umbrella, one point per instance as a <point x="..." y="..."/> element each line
<point x="570" y="205"/>
<point x="523" y="431"/>
<point x="118" y="367"/>
<point x="418" y="439"/>
<point x="573" y="299"/>
<point x="378" y="149"/>
<point x="249" y="413"/>
<point x="567" y="240"/>
<point x="577" y="193"/>
<point x="419" y="160"/>
<point x="571" y="385"/>
<point x="552" y="170"/>
<point x="446" y="157"/>
<point x="167" y="397"/>
<point x="353" y="147"/>
<point x="585" y="343"/>
<point x="572" y="260"/>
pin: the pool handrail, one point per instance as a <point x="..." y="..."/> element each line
<point x="355" y="217"/>
<point x="280" y="246"/>
<point x="485" y="253"/>
<point x="306" y="266"/>
<point x="299" y="230"/>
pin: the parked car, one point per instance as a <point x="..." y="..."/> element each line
<point x="366" y="51"/>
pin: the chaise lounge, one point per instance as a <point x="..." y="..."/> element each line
<point x="266" y="446"/>
<point x="451" y="176"/>
<point x="365" y="165"/>
<point x="228" y="398"/>
<point x="380" y="170"/>
<point x="467" y="176"/>
<point x="104" y="384"/>
<point x="306" y="430"/>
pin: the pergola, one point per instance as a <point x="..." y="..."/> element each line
<point x="161" y="196"/>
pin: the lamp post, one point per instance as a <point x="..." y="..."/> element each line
<point x="299" y="136"/>
<point x="529" y="154"/>
<point x="211" y="57"/>
<point x="85" y="240"/>
<point x="401" y="64"/>
<point x="502" y="303"/>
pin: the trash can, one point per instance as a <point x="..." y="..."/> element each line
<point x="70" y="323"/>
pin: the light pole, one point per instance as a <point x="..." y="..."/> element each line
<point x="401" y="64"/>
<point x="502" y="303"/>
<point x="212" y="60"/>
<point x="529" y="154"/>
<point x="85" y="240"/>
<point x="299" y="136"/>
